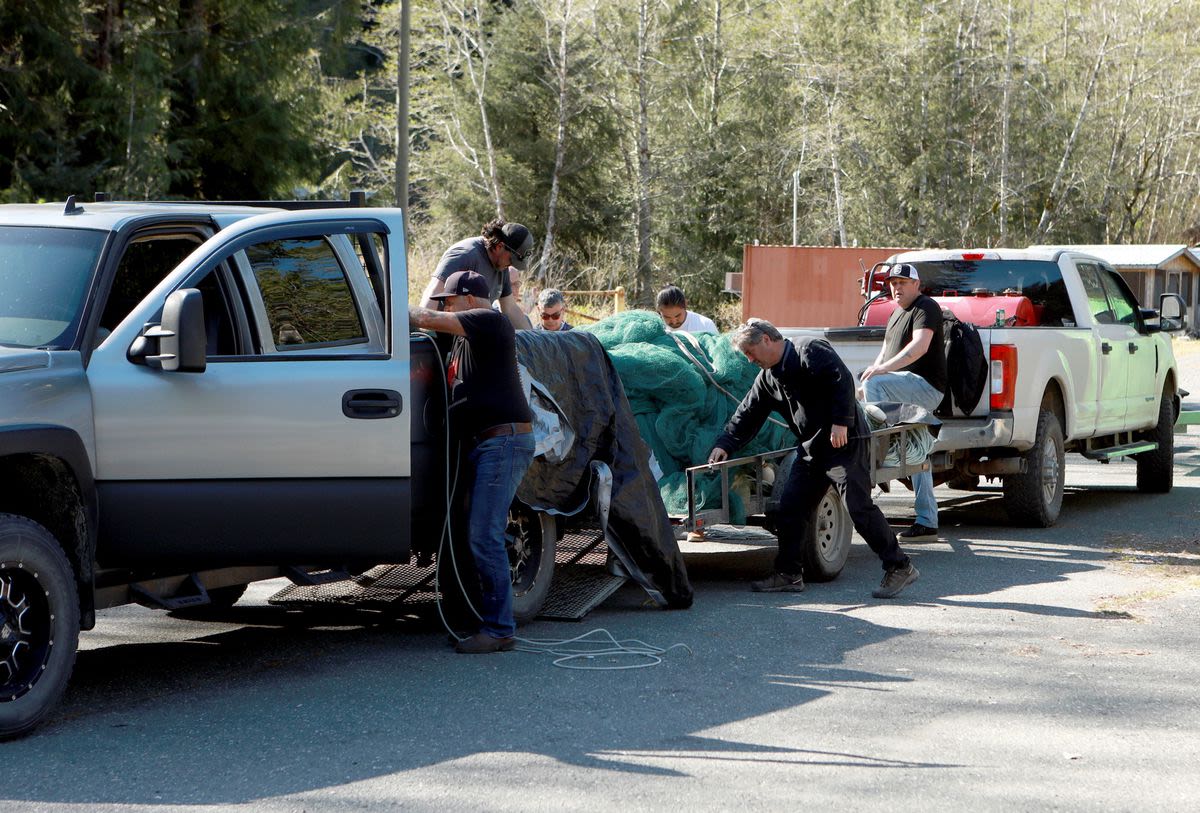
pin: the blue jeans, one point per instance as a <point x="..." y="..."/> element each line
<point x="910" y="388"/>
<point x="499" y="464"/>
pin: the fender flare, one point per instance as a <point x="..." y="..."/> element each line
<point x="65" y="445"/>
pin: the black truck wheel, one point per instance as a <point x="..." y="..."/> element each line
<point x="1156" y="469"/>
<point x="1034" y="498"/>
<point x="39" y="624"/>
<point x="530" y="540"/>
<point x="825" y="551"/>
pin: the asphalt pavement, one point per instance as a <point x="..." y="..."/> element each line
<point x="1027" y="669"/>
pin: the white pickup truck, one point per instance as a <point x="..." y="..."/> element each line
<point x="1074" y="364"/>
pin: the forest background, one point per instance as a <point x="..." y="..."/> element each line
<point x="643" y="141"/>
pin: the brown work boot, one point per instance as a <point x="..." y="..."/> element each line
<point x="481" y="643"/>
<point x="779" y="583"/>
<point x="896" y="580"/>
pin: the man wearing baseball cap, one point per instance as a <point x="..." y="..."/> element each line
<point x="911" y="369"/>
<point x="500" y="246"/>
<point x="491" y="418"/>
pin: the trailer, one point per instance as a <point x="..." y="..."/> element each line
<point x="825" y="551"/>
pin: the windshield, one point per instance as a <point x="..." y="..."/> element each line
<point x="1040" y="280"/>
<point x="44" y="275"/>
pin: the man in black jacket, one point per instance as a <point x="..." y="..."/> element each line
<point x="809" y="385"/>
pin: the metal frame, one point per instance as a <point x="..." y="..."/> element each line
<point x="878" y="446"/>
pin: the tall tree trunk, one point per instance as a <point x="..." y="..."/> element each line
<point x="645" y="269"/>
<point x="475" y="54"/>
<point x="1053" y="199"/>
<point x="1005" y="116"/>
<point x="560" y="139"/>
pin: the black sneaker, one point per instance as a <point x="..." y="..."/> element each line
<point x="896" y="580"/>
<point x="779" y="583"/>
<point x="918" y="533"/>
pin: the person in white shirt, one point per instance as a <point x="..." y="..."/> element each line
<point x="672" y="307"/>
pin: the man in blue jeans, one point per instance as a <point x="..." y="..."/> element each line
<point x="911" y="369"/>
<point x="488" y="413"/>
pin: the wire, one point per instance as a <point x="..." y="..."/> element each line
<point x="607" y="647"/>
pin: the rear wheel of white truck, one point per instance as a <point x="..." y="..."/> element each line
<point x="824" y="552"/>
<point x="1035" y="497"/>
<point x="39" y="624"/>
<point x="1156" y="469"/>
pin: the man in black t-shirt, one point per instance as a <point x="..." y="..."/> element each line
<point x="911" y="369"/>
<point x="489" y="414"/>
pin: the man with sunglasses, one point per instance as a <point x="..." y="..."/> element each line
<point x="552" y="311"/>
<point x="500" y="246"/>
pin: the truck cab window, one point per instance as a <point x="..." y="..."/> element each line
<point x="145" y="263"/>
<point x="308" y="299"/>
<point x="1089" y="274"/>
<point x="1124" y="306"/>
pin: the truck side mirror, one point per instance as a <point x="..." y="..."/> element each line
<point x="179" y="343"/>
<point x="1172" y="312"/>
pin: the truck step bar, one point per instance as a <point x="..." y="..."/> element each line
<point x="1114" y="452"/>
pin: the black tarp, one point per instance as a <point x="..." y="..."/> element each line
<point x="577" y="372"/>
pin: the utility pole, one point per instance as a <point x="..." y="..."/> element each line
<point x="795" y="195"/>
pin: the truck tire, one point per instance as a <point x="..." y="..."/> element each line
<point x="530" y="539"/>
<point x="39" y="624"/>
<point x="1034" y="498"/>
<point x="824" y="552"/>
<point x="1156" y="469"/>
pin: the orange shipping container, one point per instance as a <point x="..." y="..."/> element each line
<point x="806" y="286"/>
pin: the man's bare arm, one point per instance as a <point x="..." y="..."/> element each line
<point x="435" y="286"/>
<point x="427" y="319"/>
<point x="912" y="351"/>
<point x="510" y="308"/>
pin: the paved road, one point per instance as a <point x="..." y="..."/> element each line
<point x="1028" y="669"/>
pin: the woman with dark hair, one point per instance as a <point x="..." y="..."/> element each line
<point x="672" y="307"/>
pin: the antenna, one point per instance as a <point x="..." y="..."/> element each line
<point x="71" y="208"/>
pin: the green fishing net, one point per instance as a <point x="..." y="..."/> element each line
<point x="683" y="388"/>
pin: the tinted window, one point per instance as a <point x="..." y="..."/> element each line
<point x="44" y="279"/>
<point x="1123" y="304"/>
<point x="1098" y="304"/>
<point x="145" y="263"/>
<point x="308" y="298"/>
<point x="1040" y="281"/>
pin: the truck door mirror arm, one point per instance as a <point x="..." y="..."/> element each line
<point x="179" y="343"/>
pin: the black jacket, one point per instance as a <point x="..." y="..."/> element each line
<point x="811" y="387"/>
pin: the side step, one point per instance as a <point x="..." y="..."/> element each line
<point x="1114" y="452"/>
<point x="582" y="580"/>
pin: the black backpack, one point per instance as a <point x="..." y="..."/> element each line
<point x="966" y="366"/>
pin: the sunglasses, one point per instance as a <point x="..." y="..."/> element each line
<point x="517" y="255"/>
<point x="554" y="317"/>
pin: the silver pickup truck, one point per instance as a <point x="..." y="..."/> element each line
<point x="1074" y="364"/>
<point x="195" y="397"/>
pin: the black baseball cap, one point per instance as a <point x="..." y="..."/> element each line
<point x="519" y="242"/>
<point x="905" y="271"/>
<point x="462" y="283"/>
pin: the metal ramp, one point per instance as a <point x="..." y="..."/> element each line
<point x="583" y="578"/>
<point x="582" y="581"/>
